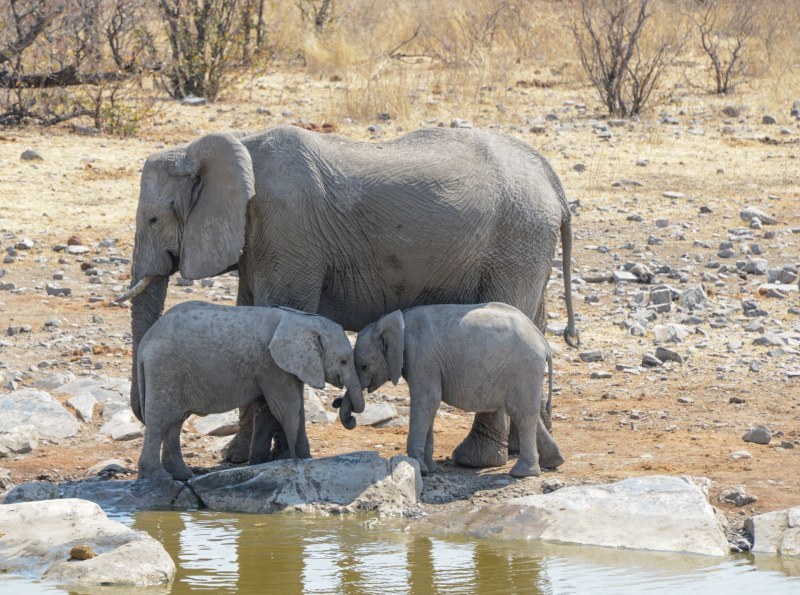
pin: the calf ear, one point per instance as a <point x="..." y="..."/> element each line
<point x="391" y="332"/>
<point x="297" y="348"/>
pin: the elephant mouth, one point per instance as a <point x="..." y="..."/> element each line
<point x="176" y="261"/>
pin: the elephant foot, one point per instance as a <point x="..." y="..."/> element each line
<point x="424" y="468"/>
<point x="238" y="449"/>
<point x="551" y="459"/>
<point x="179" y="472"/>
<point x="479" y="450"/>
<point x="155" y="475"/>
<point x="523" y="468"/>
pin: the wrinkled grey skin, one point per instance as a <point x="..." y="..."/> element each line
<point x="204" y="358"/>
<point x="484" y="358"/>
<point x="355" y="230"/>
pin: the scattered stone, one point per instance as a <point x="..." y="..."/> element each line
<point x="193" y="100"/>
<point x="685" y="400"/>
<point x="693" y="298"/>
<point x="668" y="355"/>
<point x="740" y="454"/>
<point x="651" y="361"/>
<point x="81" y="552"/>
<point x="24" y="244"/>
<point x="31" y="155"/>
<point x="75" y="241"/>
<point x="182" y="282"/>
<point x="76" y="250"/>
<point x="731" y="111"/>
<point x="460" y="123"/>
<point x="767" y="119"/>
<point x="595" y="355"/>
<point x="314" y="409"/>
<point x="769" y="340"/>
<point x="579" y="167"/>
<point x="672" y="332"/>
<point x="19" y="440"/>
<point x="750" y="213"/>
<point x="375" y="413"/>
<point x="84" y="405"/>
<point x="123" y="426"/>
<point x="672" y="194"/>
<point x="109" y="467"/>
<point x="758" y="435"/>
<point x="736" y="496"/>
<point x="777" y="290"/>
<point x="661" y="299"/>
<point x="600" y="375"/>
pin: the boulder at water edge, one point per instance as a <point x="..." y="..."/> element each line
<point x="37" y="538"/>
<point x="776" y="532"/>
<point x="647" y="513"/>
<point x="354" y="481"/>
<point x="38" y="409"/>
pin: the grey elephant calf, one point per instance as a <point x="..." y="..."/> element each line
<point x="482" y="358"/>
<point x="203" y="358"/>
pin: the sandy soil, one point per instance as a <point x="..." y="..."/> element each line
<point x="677" y="419"/>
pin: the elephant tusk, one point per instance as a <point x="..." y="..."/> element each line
<point x="140" y="286"/>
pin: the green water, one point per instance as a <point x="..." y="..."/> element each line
<point x="293" y="553"/>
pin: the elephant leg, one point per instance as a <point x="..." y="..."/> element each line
<point x="149" y="461"/>
<point x="528" y="461"/>
<point x="265" y="425"/>
<point x="487" y="443"/>
<point x="238" y="449"/>
<point x="424" y="405"/>
<point x="550" y="455"/>
<point x="171" y="455"/>
<point x="428" y="454"/>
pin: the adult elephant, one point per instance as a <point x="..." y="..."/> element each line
<point x="354" y="230"/>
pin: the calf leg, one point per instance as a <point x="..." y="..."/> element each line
<point x="171" y="456"/>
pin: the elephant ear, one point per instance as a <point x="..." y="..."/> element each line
<point x="214" y="212"/>
<point x="297" y="349"/>
<point x="391" y="333"/>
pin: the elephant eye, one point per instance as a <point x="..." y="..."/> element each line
<point x="344" y="362"/>
<point x="153" y="220"/>
<point x="364" y="367"/>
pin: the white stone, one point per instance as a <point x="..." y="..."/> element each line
<point x="19" y="440"/>
<point x="217" y="424"/>
<point x="661" y="513"/>
<point x="102" y="389"/>
<point x="314" y="409"/>
<point x="375" y="413"/>
<point x="666" y="333"/>
<point x="38" y="536"/>
<point x="776" y="532"/>
<point x="39" y="409"/>
<point x="83" y="405"/>
<point x="123" y="426"/>
<point x="54" y="380"/>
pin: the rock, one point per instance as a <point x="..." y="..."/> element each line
<point x="217" y="424"/>
<point x="647" y="513"/>
<point x="596" y="355"/>
<point x="671" y="194"/>
<point x="767" y="119"/>
<point x="38" y="537"/>
<point x="579" y="167"/>
<point x="84" y="405"/>
<point x="776" y="532"/>
<point x="731" y="111"/>
<point x="736" y="496"/>
<point x="109" y="467"/>
<point x="661" y="299"/>
<point x="193" y="100"/>
<point x="769" y="340"/>
<point x="693" y="298"/>
<point x="103" y="389"/>
<point x="314" y="409"/>
<point x="758" y="435"/>
<point x="76" y="250"/>
<point x="81" y="552"/>
<point x="460" y="123"/>
<point x="600" y="375"/>
<point x="38" y="409"/>
<point x="777" y="290"/>
<point x="54" y="379"/>
<point x="58" y="291"/>
<point x="375" y="413"/>
<point x="123" y="426"/>
<point x="651" y="361"/>
<point x="181" y="282"/>
<point x="750" y="213"/>
<point x="30" y="155"/>
<point x="24" y="244"/>
<point x="19" y="440"/>
<point x="740" y="454"/>
<point x="358" y="481"/>
<point x="668" y="355"/>
<point x="625" y="276"/>
<point x="670" y="333"/>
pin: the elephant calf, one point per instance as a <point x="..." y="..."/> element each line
<point x="203" y="358"/>
<point x="482" y="358"/>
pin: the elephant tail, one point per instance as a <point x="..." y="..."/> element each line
<point x="571" y="335"/>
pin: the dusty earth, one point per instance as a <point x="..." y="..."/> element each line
<point x="675" y="419"/>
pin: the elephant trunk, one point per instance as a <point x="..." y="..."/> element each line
<point x="346" y="413"/>
<point x="351" y="402"/>
<point x="146" y="308"/>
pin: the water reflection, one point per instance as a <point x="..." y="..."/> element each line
<point x="291" y="553"/>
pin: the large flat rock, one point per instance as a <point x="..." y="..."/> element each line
<point x="359" y="480"/>
<point x="37" y="538"/>
<point x="354" y="481"/>
<point x="659" y="513"/>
